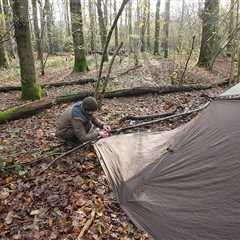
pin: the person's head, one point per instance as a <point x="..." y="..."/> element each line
<point x="90" y="104"/>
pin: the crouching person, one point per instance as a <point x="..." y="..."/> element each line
<point x="77" y="123"/>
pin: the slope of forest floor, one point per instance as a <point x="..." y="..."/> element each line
<point x="57" y="204"/>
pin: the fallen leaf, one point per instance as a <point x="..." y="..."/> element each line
<point x="35" y="212"/>
<point x="9" y="218"/>
<point x="4" y="194"/>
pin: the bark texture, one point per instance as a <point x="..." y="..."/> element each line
<point x="80" y="62"/>
<point x="30" y="88"/>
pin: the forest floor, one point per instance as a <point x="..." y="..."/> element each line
<point x="57" y="204"/>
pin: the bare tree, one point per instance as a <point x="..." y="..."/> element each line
<point x="116" y="28"/>
<point x="102" y="27"/>
<point x="130" y="32"/>
<point x="110" y="11"/>
<point x="106" y="12"/>
<point x="157" y="28"/>
<point x="143" y="24"/>
<point x="109" y="36"/>
<point x="3" y="53"/>
<point x="30" y="88"/>
<point x="67" y="17"/>
<point x="49" y="15"/>
<point x="148" y="25"/>
<point x="8" y="20"/>
<point x="80" y="63"/>
<point x="166" y="28"/>
<point x="37" y="30"/>
<point x="92" y="21"/>
<point x="209" y="43"/>
<point x="180" y="34"/>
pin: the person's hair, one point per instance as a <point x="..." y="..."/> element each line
<point x="90" y="104"/>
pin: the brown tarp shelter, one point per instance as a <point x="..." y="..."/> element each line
<point x="183" y="184"/>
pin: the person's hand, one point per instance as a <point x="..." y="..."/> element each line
<point x="103" y="134"/>
<point x="107" y="128"/>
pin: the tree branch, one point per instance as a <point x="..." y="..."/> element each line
<point x="189" y="57"/>
<point x="160" y="120"/>
<point x="107" y="43"/>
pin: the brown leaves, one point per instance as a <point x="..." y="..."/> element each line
<point x="58" y="204"/>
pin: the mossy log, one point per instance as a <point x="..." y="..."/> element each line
<point x="54" y="84"/>
<point x="25" y="110"/>
<point x="138" y="91"/>
<point x="30" y="109"/>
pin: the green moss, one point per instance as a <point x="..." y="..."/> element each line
<point x="80" y="65"/>
<point x="31" y="92"/>
<point x="4" y="61"/>
<point x="8" y="114"/>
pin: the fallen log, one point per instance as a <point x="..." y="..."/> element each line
<point x="144" y="117"/>
<point x="25" y="110"/>
<point x="144" y="124"/>
<point x="138" y="91"/>
<point x="54" y="84"/>
<point x="30" y="109"/>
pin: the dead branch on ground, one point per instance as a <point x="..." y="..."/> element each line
<point x="160" y="120"/>
<point x="154" y="116"/>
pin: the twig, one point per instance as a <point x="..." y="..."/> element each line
<point x="110" y="69"/>
<point x="129" y="70"/>
<point x="161" y="115"/>
<point x="87" y="225"/>
<point x="41" y="159"/>
<point x="225" y="44"/>
<point x="5" y="40"/>
<point x="160" y="120"/>
<point x="189" y="57"/>
<point x="65" y="154"/>
<point x="8" y="32"/>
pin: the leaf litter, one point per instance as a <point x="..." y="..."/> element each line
<point x="59" y="203"/>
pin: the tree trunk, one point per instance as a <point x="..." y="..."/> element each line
<point x="92" y="28"/>
<point x="126" y="36"/>
<point x="116" y="28"/>
<point x="137" y="23"/>
<point x="135" y="39"/>
<point x="157" y="28"/>
<point x="110" y="11"/>
<point x="233" y="44"/>
<point x="30" y="88"/>
<point x="102" y="27"/>
<point x="80" y="63"/>
<point x="180" y="34"/>
<point x="3" y="53"/>
<point x="143" y="25"/>
<point x="209" y="41"/>
<point x="148" y="25"/>
<point x="49" y="15"/>
<point x="166" y="29"/>
<point x="231" y="24"/>
<point x="67" y="17"/>
<point x="130" y="32"/>
<point x="8" y="19"/>
<point x="106" y="13"/>
<point x="37" y="31"/>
